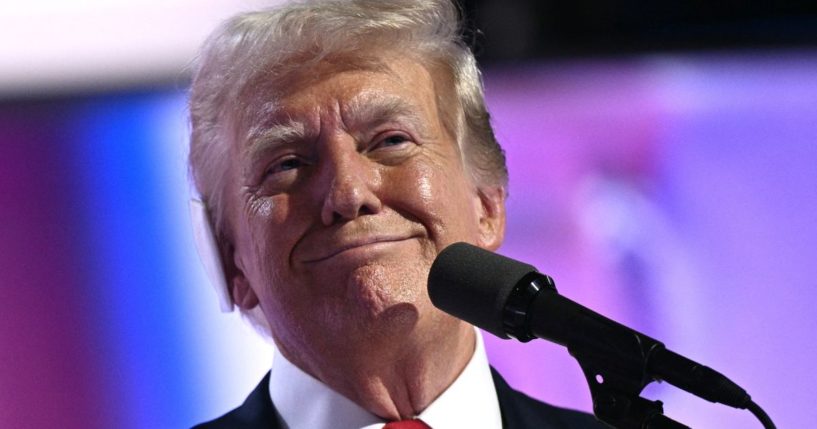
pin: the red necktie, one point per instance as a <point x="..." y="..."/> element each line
<point x="407" y="424"/>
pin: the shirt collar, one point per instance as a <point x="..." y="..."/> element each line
<point x="303" y="402"/>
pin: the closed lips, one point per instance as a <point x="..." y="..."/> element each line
<point x="333" y="250"/>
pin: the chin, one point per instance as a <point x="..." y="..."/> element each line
<point x="385" y="293"/>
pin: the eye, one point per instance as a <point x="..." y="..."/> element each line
<point x="391" y="140"/>
<point x="284" y="164"/>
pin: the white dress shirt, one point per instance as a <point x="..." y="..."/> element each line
<point x="303" y="402"/>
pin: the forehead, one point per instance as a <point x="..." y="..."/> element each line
<point x="395" y="85"/>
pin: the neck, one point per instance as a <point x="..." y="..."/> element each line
<point x="393" y="379"/>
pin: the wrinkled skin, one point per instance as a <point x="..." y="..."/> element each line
<point x="342" y="195"/>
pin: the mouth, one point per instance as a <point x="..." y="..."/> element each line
<point x="362" y="244"/>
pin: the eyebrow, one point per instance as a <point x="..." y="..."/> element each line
<point x="371" y="109"/>
<point x="273" y="135"/>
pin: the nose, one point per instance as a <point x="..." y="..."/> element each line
<point x="350" y="182"/>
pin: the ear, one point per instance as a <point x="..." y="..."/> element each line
<point x="240" y="289"/>
<point x="210" y="253"/>
<point x="492" y="217"/>
<point x="220" y="262"/>
<point x="238" y="285"/>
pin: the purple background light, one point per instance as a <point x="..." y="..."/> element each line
<point x="678" y="196"/>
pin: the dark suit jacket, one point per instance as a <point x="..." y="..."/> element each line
<point x="519" y="411"/>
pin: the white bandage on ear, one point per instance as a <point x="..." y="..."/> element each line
<point x="209" y="254"/>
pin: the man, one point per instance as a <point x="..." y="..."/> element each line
<point x="339" y="146"/>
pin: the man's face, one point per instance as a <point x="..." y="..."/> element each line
<point x="345" y="190"/>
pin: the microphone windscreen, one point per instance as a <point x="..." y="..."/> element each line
<point x="473" y="284"/>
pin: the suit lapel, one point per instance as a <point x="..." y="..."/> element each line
<point x="257" y="410"/>
<point x="520" y="411"/>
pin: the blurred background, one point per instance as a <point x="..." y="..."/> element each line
<point x="663" y="160"/>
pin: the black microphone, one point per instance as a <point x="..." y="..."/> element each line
<point x="509" y="298"/>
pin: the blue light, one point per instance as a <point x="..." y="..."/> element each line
<point x="145" y="355"/>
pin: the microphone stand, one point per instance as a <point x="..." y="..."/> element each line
<point x="618" y="362"/>
<point x="616" y="399"/>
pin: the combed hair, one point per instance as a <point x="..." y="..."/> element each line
<point x="272" y="46"/>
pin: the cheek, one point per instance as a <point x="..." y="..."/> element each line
<point x="271" y="234"/>
<point x="268" y="211"/>
<point x="262" y="207"/>
<point x="444" y="200"/>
